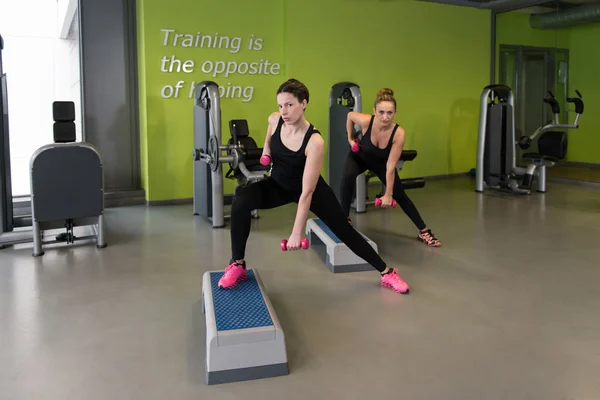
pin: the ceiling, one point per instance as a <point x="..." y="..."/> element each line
<point x="527" y="6"/>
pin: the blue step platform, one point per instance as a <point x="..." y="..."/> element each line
<point x="335" y="254"/>
<point x="244" y="339"/>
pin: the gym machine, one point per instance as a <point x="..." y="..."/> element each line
<point x="345" y="97"/>
<point x="67" y="184"/>
<point x="496" y="146"/>
<point x="241" y="152"/>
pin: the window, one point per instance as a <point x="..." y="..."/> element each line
<point x="42" y="65"/>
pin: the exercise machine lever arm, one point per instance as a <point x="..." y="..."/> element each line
<point x="524" y="141"/>
<point x="549" y="127"/>
<point x="252" y="176"/>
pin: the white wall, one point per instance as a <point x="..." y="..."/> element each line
<point x="41" y="68"/>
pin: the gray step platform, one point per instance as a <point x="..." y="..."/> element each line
<point x="336" y="255"/>
<point x="244" y="339"/>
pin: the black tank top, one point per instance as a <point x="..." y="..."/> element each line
<point x="288" y="165"/>
<point x="370" y="149"/>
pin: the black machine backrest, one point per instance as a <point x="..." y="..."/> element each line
<point x="239" y="128"/>
<point x="553" y="144"/>
<point x="67" y="182"/>
<point x="240" y="134"/>
<point x="64" y="117"/>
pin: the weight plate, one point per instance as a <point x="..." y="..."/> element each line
<point x="213" y="152"/>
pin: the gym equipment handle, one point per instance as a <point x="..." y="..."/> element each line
<point x="577" y="101"/>
<point x="553" y="103"/>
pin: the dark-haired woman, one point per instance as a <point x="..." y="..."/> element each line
<point x="296" y="149"/>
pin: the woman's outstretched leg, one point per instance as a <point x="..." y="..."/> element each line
<point x="409" y="208"/>
<point x="260" y="195"/>
<point x="325" y="205"/>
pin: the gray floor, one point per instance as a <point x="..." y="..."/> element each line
<point x="509" y="308"/>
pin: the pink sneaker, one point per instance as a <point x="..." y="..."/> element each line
<point x="233" y="274"/>
<point x="394" y="282"/>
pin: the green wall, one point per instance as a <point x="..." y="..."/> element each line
<point x="513" y="28"/>
<point x="584" y="61"/>
<point x="584" y="143"/>
<point x="435" y="58"/>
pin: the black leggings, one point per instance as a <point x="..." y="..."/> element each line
<point x="356" y="165"/>
<point x="268" y="194"/>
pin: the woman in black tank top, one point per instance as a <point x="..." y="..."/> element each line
<point x="379" y="152"/>
<point x="296" y="150"/>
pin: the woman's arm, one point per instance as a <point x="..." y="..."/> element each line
<point x="359" y="119"/>
<point x="273" y="121"/>
<point x="390" y="168"/>
<point x="312" y="170"/>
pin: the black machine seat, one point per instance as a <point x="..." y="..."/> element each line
<point x="552" y="146"/>
<point x="539" y="157"/>
<point x="240" y="135"/>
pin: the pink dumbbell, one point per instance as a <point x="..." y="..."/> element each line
<point x="284" y="244"/>
<point x="356" y="145"/>
<point x="265" y="159"/>
<point x="378" y="202"/>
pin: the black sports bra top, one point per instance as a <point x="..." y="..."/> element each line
<point x="369" y="148"/>
<point x="288" y="165"/>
